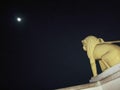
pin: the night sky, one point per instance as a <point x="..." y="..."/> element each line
<point x="43" y="51"/>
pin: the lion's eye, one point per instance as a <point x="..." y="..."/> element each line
<point x="84" y="43"/>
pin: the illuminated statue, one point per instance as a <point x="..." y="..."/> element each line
<point x="107" y="53"/>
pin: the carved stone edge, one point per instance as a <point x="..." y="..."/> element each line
<point x="109" y="72"/>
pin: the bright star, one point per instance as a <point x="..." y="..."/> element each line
<point x="19" y="19"/>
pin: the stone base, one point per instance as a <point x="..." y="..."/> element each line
<point x="109" y="72"/>
<point x="108" y="80"/>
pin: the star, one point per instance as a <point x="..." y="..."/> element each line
<point x="19" y="19"/>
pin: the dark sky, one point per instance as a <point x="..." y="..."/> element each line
<point x="43" y="52"/>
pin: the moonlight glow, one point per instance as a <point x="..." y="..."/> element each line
<point x="19" y="19"/>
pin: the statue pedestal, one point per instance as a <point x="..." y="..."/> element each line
<point x="108" y="80"/>
<point x="112" y="72"/>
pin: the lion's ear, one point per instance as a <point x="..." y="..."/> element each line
<point x="101" y="40"/>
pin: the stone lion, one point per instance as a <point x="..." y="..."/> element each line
<point x="107" y="53"/>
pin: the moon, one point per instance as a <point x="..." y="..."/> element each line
<point x="19" y="19"/>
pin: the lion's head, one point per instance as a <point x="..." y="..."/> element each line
<point x="89" y="44"/>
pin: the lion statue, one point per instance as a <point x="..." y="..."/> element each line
<point x="107" y="53"/>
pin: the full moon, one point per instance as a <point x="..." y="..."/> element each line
<point x="19" y="19"/>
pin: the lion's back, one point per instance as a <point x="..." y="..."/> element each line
<point x="103" y="49"/>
